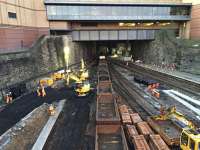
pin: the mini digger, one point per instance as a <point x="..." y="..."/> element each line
<point x="82" y="84"/>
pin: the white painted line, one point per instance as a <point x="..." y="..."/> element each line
<point x="197" y="102"/>
<point x="188" y="105"/>
<point x="39" y="144"/>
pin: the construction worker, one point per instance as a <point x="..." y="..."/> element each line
<point x="162" y="110"/>
<point x="41" y="91"/>
<point x="132" y="58"/>
<point x="149" y="87"/>
<point x="9" y="98"/>
<point x="51" y="110"/>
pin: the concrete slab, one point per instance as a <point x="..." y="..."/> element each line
<point x="39" y="144"/>
<point x="24" y="132"/>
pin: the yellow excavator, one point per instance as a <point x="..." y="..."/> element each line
<point x="82" y="85"/>
<point x="190" y="136"/>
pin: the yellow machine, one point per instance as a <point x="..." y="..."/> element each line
<point x="46" y="81"/>
<point x="82" y="85"/>
<point x="190" y="139"/>
<point x="83" y="71"/>
<point x="172" y="114"/>
<point x="58" y="75"/>
<point x="82" y="88"/>
<point x="190" y="136"/>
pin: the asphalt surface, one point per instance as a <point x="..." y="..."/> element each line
<point x="69" y="131"/>
<point x="14" y="112"/>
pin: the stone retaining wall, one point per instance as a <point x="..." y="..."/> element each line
<point x="45" y="56"/>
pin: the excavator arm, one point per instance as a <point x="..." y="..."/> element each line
<point x="172" y="114"/>
<point x="74" y="77"/>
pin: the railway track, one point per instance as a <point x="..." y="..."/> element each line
<point x="191" y="115"/>
<point x="171" y="81"/>
<point x="131" y="95"/>
<point x="132" y="129"/>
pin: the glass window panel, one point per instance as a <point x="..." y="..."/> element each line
<point x="65" y="10"/>
<point x="97" y="10"/>
<point x="107" y="11"/>
<point x="51" y="10"/>
<point x="159" y="11"/>
<point x="123" y="11"/>
<point x="135" y="11"/>
<point x="128" y="11"/>
<point x="87" y="10"/>
<point x="58" y="10"/>
<point x="163" y="10"/>
<point x="140" y="11"/>
<point x="173" y="11"/>
<point x="115" y="12"/>
<point x="104" y="10"/>
<point x="74" y="10"/>
<point x="145" y="11"/>
<point x="168" y="11"/>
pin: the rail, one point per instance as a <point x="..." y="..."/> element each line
<point x="131" y="95"/>
<point x="172" y="81"/>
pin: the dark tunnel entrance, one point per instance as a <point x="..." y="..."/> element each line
<point x="134" y="49"/>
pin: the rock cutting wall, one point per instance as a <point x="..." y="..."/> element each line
<point x="45" y="56"/>
<point x="168" y="49"/>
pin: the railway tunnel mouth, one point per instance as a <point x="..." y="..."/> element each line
<point x="150" y="50"/>
<point x="121" y="48"/>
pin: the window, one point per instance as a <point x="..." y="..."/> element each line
<point x="184" y="11"/>
<point x="12" y="15"/>
<point x="192" y="144"/>
<point x="184" y="139"/>
<point x="88" y="24"/>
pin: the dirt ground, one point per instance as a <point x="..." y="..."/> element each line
<point x="24" y="134"/>
<point x="71" y="130"/>
<point x="75" y="127"/>
<point x="13" y="113"/>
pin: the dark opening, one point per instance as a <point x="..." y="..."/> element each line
<point x="12" y="15"/>
<point x="88" y="24"/>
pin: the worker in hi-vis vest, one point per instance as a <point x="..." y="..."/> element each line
<point x="41" y="91"/>
<point x="9" y="98"/>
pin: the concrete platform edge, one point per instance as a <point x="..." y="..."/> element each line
<point x="41" y="140"/>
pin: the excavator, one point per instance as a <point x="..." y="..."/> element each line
<point x="190" y="135"/>
<point x="82" y="84"/>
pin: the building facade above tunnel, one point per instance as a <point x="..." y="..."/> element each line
<point x="22" y="22"/>
<point x="132" y="16"/>
<point x="117" y="11"/>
